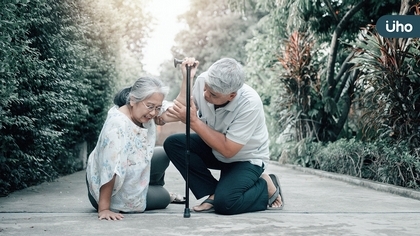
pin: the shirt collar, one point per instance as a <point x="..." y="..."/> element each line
<point x="234" y="103"/>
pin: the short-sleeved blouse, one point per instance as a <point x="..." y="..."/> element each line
<point x="123" y="149"/>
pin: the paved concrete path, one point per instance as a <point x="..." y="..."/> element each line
<point x="317" y="203"/>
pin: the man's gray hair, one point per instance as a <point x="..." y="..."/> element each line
<point x="225" y="76"/>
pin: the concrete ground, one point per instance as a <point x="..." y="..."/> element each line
<point x="316" y="203"/>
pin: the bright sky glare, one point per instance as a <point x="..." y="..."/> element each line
<point x="162" y="39"/>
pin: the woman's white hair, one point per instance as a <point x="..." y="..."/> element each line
<point x="145" y="87"/>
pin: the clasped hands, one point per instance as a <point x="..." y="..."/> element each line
<point x="179" y="111"/>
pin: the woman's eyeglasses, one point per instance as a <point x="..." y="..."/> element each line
<point x="152" y="107"/>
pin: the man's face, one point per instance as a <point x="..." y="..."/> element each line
<point x="217" y="98"/>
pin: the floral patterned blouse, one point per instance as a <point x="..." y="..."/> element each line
<point x="123" y="149"/>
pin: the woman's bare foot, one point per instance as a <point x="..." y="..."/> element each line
<point x="176" y="198"/>
<point x="271" y="190"/>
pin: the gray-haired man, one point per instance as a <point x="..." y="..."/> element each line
<point x="227" y="117"/>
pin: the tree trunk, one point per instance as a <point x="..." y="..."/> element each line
<point x="334" y="47"/>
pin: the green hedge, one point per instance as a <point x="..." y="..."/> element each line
<point x="382" y="161"/>
<point x="55" y="87"/>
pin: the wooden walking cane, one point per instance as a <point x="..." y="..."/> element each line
<point x="187" y="135"/>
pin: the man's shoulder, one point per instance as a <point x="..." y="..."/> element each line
<point x="249" y="89"/>
<point x="248" y="93"/>
<point x="203" y="74"/>
<point x="201" y="77"/>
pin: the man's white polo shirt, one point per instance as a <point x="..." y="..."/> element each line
<point x="242" y="120"/>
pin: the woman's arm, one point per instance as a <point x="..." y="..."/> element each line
<point x="193" y="64"/>
<point x="104" y="203"/>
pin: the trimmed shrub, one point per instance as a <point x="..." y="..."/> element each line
<point x="380" y="161"/>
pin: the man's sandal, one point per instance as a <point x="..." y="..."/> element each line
<point x="273" y="197"/>
<point x="209" y="210"/>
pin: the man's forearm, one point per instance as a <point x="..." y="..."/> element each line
<point x="183" y="93"/>
<point x="192" y="64"/>
<point x="215" y="139"/>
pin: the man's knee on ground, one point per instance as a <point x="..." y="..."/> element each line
<point x="225" y="205"/>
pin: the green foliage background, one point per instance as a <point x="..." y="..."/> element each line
<point x="59" y="70"/>
<point x="337" y="95"/>
<point x="321" y="76"/>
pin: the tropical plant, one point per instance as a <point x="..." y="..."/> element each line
<point x="391" y="85"/>
<point x="302" y="86"/>
<point x="333" y="26"/>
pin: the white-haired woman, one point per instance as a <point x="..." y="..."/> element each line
<point x="125" y="171"/>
